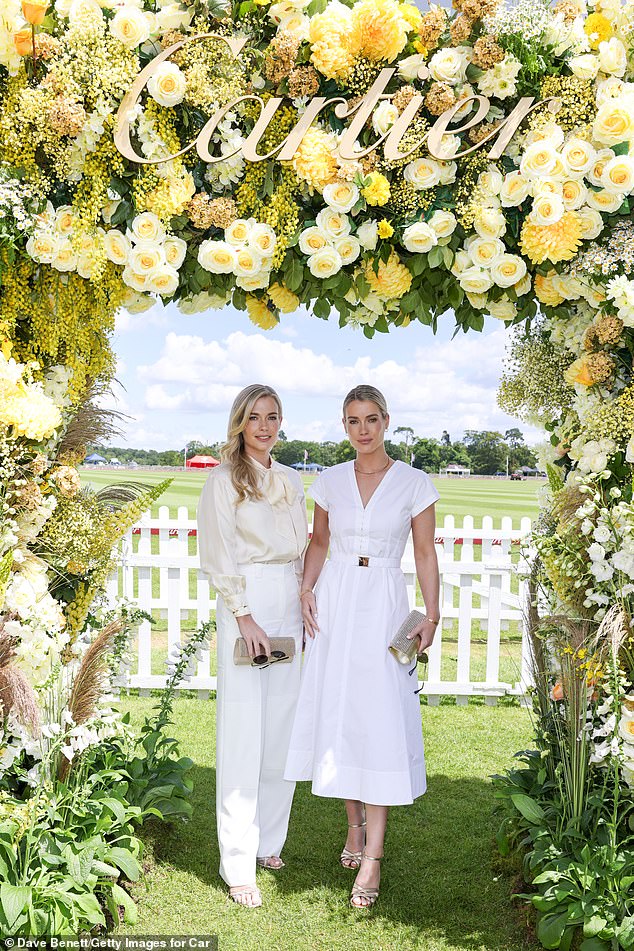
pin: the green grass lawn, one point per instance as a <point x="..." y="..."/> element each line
<point x="459" y="497"/>
<point x="443" y="886"/>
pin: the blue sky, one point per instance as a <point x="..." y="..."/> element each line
<point x="180" y="373"/>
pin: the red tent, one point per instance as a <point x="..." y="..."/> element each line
<point x="202" y="462"/>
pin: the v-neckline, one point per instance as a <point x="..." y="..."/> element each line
<point x="358" y="491"/>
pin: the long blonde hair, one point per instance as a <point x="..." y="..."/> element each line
<point x="244" y="475"/>
<point x="368" y="393"/>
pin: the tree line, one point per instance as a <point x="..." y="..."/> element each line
<point x="483" y="451"/>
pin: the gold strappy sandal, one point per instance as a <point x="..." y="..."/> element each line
<point x="348" y="858"/>
<point x="359" y="891"/>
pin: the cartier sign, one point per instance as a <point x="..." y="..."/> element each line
<point x="358" y="115"/>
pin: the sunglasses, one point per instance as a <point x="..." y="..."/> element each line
<point x="263" y="660"/>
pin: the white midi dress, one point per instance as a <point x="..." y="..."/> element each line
<point x="357" y="730"/>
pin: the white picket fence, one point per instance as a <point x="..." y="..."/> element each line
<point x="159" y="569"/>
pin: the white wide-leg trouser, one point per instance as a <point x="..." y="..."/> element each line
<point x="255" y="710"/>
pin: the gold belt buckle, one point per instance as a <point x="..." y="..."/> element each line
<point x="364" y="561"/>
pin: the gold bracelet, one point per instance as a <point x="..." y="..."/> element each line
<point x="432" y="620"/>
<point x="305" y="591"/>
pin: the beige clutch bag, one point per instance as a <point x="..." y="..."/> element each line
<point x="282" y="652"/>
<point x="404" y="649"/>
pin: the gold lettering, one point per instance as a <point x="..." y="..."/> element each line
<point x="129" y="101"/>
<point x="205" y="134"/>
<point x="363" y="112"/>
<point x="294" y="138"/>
<point x="439" y="128"/>
<point x="507" y="129"/>
<point x="391" y="151"/>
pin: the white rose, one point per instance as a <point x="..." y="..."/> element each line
<point x="147" y="227"/>
<point x="172" y="17"/>
<point x="618" y="175"/>
<point x="447" y="172"/>
<point x="64" y="219"/>
<point x="478" y="301"/>
<point x="412" y="66"/>
<point x="591" y="222"/>
<point x="348" y="248"/>
<point x="384" y="117"/>
<point x="547" y="210"/>
<point x="368" y="235"/>
<point x="137" y="282"/>
<point x="515" y="189"/>
<point x="117" y="247"/>
<point x="218" y="257"/>
<point x="613" y="57"/>
<point x="66" y="257"/>
<point x="146" y="257"/>
<point x="491" y="180"/>
<point x="254" y="282"/>
<point x="466" y="91"/>
<point x="247" y="263"/>
<point x="422" y="173"/>
<point x="450" y="65"/>
<point x="333" y="223"/>
<point x="449" y="145"/>
<point x="312" y="240"/>
<point x="168" y="85"/>
<point x="607" y="202"/>
<point x="485" y="252"/>
<point x="503" y="309"/>
<point x="163" y="281"/>
<point x="499" y="81"/>
<point x="238" y="232"/>
<point x="43" y="246"/>
<point x="585" y="66"/>
<point x="175" y="250"/>
<point x="595" y="174"/>
<point x="444" y="223"/>
<point x="538" y="160"/>
<point x="325" y="263"/>
<point x="573" y="194"/>
<point x="475" y="280"/>
<point x="419" y="237"/>
<point x="610" y="88"/>
<point x="578" y="157"/>
<point x="262" y="237"/>
<point x="130" y="25"/>
<point x="489" y="223"/>
<point x="524" y="286"/>
<point x="614" y="122"/>
<point x="508" y="270"/>
<point x="341" y="196"/>
<point x="461" y="262"/>
<point x="296" y="23"/>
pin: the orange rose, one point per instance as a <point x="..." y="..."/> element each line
<point x="557" y="692"/>
<point x="34" y="11"/>
<point x="23" y="42"/>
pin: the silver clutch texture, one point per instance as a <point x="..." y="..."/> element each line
<point x="404" y="649"/>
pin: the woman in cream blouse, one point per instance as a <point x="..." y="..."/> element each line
<point x="252" y="534"/>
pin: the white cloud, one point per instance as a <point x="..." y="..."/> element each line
<point x="443" y="385"/>
<point x="154" y="317"/>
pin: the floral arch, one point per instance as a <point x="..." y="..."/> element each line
<point x="476" y="161"/>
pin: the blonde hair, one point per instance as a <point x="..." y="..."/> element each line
<point x="368" y="393"/>
<point x="244" y="475"/>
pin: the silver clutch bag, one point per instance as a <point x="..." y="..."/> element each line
<point x="282" y="652"/>
<point x="404" y="649"/>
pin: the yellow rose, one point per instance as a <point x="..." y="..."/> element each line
<point x="238" y="232"/>
<point x="508" y="270"/>
<point x="547" y="209"/>
<point x="539" y="159"/>
<point x="341" y="196"/>
<point x="164" y="281"/>
<point x="377" y="191"/>
<point x="347" y="247"/>
<point x="263" y="239"/>
<point x="422" y="173"/>
<point x="43" y="246"/>
<point x="489" y="223"/>
<point x="167" y="85"/>
<point x="325" y="263"/>
<point x="117" y="247"/>
<point x="34" y="11"/>
<point x="175" y="250"/>
<point x="591" y="222"/>
<point x="613" y="123"/>
<point x="578" y="156"/>
<point x="147" y="227"/>
<point x="443" y="223"/>
<point x="503" y="309"/>
<point x="146" y="257"/>
<point x="618" y="175"/>
<point x="475" y="280"/>
<point x="573" y="194"/>
<point x="247" y="263"/>
<point x="515" y="188"/>
<point x="312" y="239"/>
<point x="23" y="42"/>
<point x="485" y="252"/>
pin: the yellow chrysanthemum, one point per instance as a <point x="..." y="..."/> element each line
<point x="385" y="229"/>
<point x="259" y="314"/>
<point x="391" y="281"/>
<point x="556" y="242"/>
<point x="377" y="191"/>
<point x="315" y="160"/>
<point x="335" y="40"/>
<point x="283" y="299"/>
<point x="411" y="15"/>
<point x="383" y="28"/>
<point x="598" y="28"/>
<point x="544" y="290"/>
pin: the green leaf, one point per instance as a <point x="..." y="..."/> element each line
<point x="294" y="275"/>
<point x="622" y="148"/>
<point x="593" y="926"/>
<point x="625" y="932"/>
<point x="14" y="899"/>
<point x="530" y="809"/>
<point x="550" y="929"/>
<point x="90" y="908"/>
<point x="129" y="908"/>
<point x="435" y="257"/>
<point x="594" y="944"/>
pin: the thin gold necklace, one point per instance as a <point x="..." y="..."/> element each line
<point x="371" y="471"/>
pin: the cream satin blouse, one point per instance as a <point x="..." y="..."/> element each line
<point x="271" y="530"/>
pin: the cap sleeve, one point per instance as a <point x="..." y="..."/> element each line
<point x="425" y="494"/>
<point x="317" y="491"/>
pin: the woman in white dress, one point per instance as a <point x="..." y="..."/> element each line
<point x="252" y="533"/>
<point x="357" y="732"/>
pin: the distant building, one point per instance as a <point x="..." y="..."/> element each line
<point x="94" y="459"/>
<point x="307" y="466"/>
<point x="453" y="469"/>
